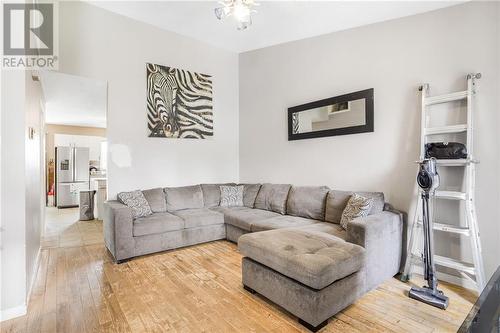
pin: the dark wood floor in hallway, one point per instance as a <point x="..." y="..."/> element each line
<point x="198" y="289"/>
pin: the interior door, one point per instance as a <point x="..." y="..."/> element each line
<point x="64" y="164"/>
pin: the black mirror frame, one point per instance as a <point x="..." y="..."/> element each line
<point x="368" y="127"/>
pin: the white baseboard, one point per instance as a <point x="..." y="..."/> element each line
<point x="11" y="313"/>
<point x="35" y="273"/>
<point x="456" y="280"/>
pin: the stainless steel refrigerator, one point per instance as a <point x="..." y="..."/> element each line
<point x="72" y="175"/>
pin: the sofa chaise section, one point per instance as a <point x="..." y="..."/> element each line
<point x="313" y="259"/>
<point x="312" y="275"/>
<point x="314" y="271"/>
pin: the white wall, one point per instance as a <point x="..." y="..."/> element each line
<point x="392" y="57"/>
<point x="89" y="141"/>
<point x="34" y="191"/>
<point x="21" y="195"/>
<point x="21" y="192"/>
<point x="13" y="253"/>
<point x="99" y="44"/>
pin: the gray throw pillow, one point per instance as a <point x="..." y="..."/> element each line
<point x="231" y="196"/>
<point x="137" y="202"/>
<point x="357" y="206"/>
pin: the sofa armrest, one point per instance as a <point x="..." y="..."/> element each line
<point x="382" y="237"/>
<point x="118" y="227"/>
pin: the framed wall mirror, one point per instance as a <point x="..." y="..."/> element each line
<point x="340" y="115"/>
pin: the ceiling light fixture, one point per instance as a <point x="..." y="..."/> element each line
<point x="241" y="10"/>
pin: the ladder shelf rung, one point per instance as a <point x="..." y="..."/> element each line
<point x="450" y="263"/>
<point x="456" y="96"/>
<point x="455" y="162"/>
<point x="456" y="264"/>
<point x="446" y="129"/>
<point x="449" y="228"/>
<point x="451" y="195"/>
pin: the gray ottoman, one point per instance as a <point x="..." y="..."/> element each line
<point x="313" y="275"/>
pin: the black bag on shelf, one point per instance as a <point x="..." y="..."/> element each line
<point x="445" y="150"/>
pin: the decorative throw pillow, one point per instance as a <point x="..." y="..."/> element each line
<point x="137" y="202"/>
<point x="231" y="196"/>
<point x="357" y="206"/>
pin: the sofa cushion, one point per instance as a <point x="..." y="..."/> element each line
<point x="279" y="222"/>
<point x="325" y="227"/>
<point x="273" y="197"/>
<point x="224" y="210"/>
<point x="243" y="218"/>
<point x="250" y="192"/>
<point x="136" y="201"/>
<point x="337" y="200"/>
<point x="231" y="196"/>
<point x="156" y="199"/>
<point x="211" y="194"/>
<point x="156" y="224"/>
<point x="199" y="217"/>
<point x="183" y="197"/>
<point x="307" y="201"/>
<point x="314" y="259"/>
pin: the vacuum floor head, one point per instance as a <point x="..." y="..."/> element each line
<point x="429" y="296"/>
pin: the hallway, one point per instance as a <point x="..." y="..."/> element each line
<point x="63" y="229"/>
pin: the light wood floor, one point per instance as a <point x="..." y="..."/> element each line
<point x="62" y="229"/>
<point x="195" y="289"/>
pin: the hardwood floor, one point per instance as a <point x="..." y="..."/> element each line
<point x="195" y="289"/>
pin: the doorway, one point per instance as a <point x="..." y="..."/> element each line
<point x="75" y="166"/>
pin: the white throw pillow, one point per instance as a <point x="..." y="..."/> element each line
<point x="231" y="196"/>
<point x="137" y="202"/>
<point x="357" y="206"/>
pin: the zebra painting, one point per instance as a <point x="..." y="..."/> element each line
<point x="179" y="103"/>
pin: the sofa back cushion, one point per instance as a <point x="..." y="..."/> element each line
<point x="337" y="200"/>
<point x="211" y="194"/>
<point x="183" y="197"/>
<point x="273" y="197"/>
<point x="250" y="192"/>
<point x="307" y="201"/>
<point x="156" y="199"/>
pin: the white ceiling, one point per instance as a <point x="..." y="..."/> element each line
<point x="275" y="22"/>
<point x="73" y="100"/>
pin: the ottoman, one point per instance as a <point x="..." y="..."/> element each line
<point x="311" y="274"/>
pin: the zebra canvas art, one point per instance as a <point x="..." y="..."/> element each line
<point x="179" y="103"/>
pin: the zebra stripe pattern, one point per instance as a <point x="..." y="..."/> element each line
<point x="179" y="103"/>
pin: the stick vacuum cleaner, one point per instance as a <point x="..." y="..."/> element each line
<point x="428" y="180"/>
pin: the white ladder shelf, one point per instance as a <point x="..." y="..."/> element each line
<point x="474" y="271"/>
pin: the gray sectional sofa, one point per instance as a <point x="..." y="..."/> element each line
<point x="295" y="252"/>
